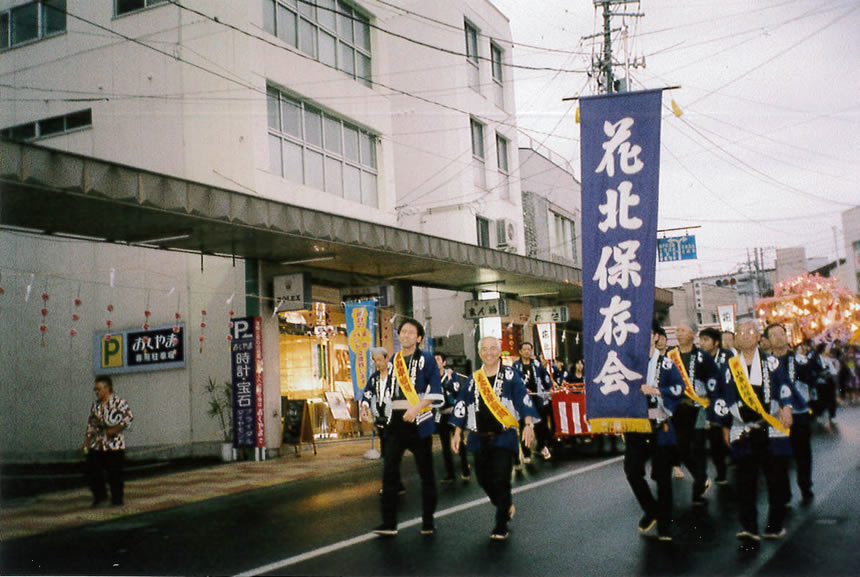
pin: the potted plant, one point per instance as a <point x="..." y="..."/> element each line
<point x="221" y="407"/>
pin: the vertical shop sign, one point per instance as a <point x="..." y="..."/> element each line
<point x="361" y="335"/>
<point x="546" y="334"/>
<point x="246" y="360"/>
<point x="620" y="151"/>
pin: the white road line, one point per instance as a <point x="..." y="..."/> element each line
<point x="412" y="522"/>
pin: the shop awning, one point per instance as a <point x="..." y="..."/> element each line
<point x="56" y="192"/>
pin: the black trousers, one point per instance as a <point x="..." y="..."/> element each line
<point x="719" y="450"/>
<point x="639" y="448"/>
<point x="493" y="466"/>
<point x="445" y="431"/>
<point x="775" y="469"/>
<point x="111" y="463"/>
<point x="691" y="445"/>
<point x="801" y="448"/>
<point x="401" y="436"/>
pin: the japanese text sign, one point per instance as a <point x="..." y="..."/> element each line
<point x="361" y="336"/>
<point x="677" y="248"/>
<point x="478" y="309"/>
<point x="130" y="351"/>
<point x="620" y="150"/>
<point x="246" y="360"/>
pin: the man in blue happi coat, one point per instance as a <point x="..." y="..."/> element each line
<point x="800" y="373"/>
<point x="664" y="389"/>
<point x="755" y="409"/>
<point x="490" y="407"/>
<point x="407" y="407"/>
<point x="538" y="383"/>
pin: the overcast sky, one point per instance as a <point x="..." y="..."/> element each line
<point x="767" y="152"/>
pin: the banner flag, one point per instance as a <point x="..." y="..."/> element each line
<point x="620" y="151"/>
<point x="361" y="336"/>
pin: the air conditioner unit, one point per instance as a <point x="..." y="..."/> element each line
<point x="506" y="234"/>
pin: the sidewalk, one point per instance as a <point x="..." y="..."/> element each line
<point x="71" y="508"/>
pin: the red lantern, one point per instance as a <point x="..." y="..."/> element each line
<point x="72" y="332"/>
<point x="44" y="312"/>
<point x="75" y="317"/>
<point x="78" y="302"/>
<point x="110" y="308"/>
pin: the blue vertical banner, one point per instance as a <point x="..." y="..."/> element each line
<point x="246" y="362"/>
<point x="620" y="150"/>
<point x="361" y="336"/>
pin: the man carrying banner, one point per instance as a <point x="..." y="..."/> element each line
<point x="409" y="425"/>
<point x="450" y="388"/>
<point x="490" y="407"/>
<point x="755" y="409"/>
<point x="373" y="395"/>
<point x="538" y="383"/>
<point x="709" y="341"/>
<point x="700" y="374"/>
<point x="799" y="373"/>
<point x="663" y="388"/>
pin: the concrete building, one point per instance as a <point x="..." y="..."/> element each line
<point x="352" y="147"/>
<point x="697" y="301"/>
<point x="851" y="231"/>
<point x="790" y="263"/>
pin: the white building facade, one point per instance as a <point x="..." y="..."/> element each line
<point x="358" y="109"/>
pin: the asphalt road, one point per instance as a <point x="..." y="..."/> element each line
<point x="574" y="517"/>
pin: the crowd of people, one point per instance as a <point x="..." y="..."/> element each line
<point x="745" y="400"/>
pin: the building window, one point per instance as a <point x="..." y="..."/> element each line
<point x="502" y="153"/>
<point x="320" y="150"/>
<point x="329" y="31"/>
<point x="127" y="6"/>
<point x="477" y="140"/>
<point x="496" y="59"/>
<point x="498" y="87"/>
<point x="473" y="69"/>
<point x="479" y="174"/>
<point x="483" y="225"/>
<point x="53" y="126"/>
<point x="32" y="22"/>
<point x="563" y="237"/>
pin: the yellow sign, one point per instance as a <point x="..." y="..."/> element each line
<point x="111" y="352"/>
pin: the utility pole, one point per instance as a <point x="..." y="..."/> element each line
<point x="836" y="247"/>
<point x="603" y="66"/>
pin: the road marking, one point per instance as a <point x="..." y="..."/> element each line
<point x="412" y="522"/>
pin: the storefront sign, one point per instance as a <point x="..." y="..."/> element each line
<point x="382" y="294"/>
<point x="676" y="248"/>
<point x="477" y="309"/>
<point x="557" y="314"/>
<point x="726" y="314"/>
<point x="246" y="360"/>
<point x="292" y="292"/>
<point x="132" y="351"/>
<point x="361" y="336"/>
<point x="620" y="141"/>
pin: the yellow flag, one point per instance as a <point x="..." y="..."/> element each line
<point x="577" y="114"/>
<point x="676" y="110"/>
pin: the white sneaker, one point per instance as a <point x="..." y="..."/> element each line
<point x="546" y="454"/>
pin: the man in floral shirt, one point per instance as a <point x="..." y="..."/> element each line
<point x="105" y="442"/>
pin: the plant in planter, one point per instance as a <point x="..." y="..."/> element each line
<point x="221" y="407"/>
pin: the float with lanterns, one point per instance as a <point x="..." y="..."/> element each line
<point x="813" y="307"/>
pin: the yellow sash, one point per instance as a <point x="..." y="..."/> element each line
<point x="500" y="412"/>
<point x="748" y="395"/>
<point x="689" y="390"/>
<point x="406" y="385"/>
